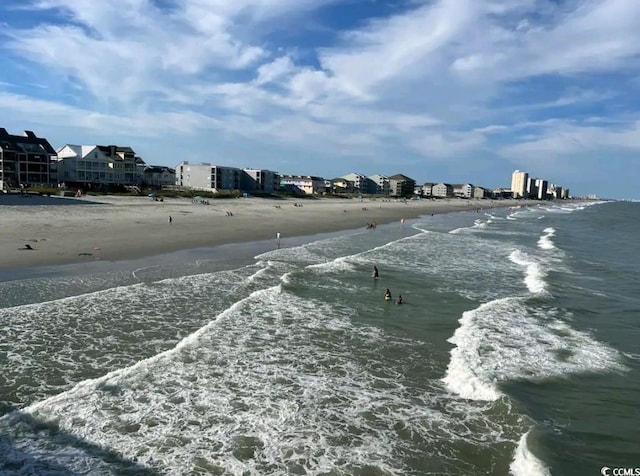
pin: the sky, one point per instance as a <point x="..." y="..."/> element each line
<point x="439" y="90"/>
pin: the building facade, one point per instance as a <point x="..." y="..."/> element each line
<point x="442" y="190"/>
<point x="519" y="181"/>
<point x="26" y="160"/>
<point x="359" y="181"/>
<point x="427" y="189"/>
<point x="158" y="176"/>
<point x="99" y="165"/>
<point x="303" y="184"/>
<point x="401" y="186"/>
<point x="259" y="180"/>
<point x="377" y="184"/>
<point x="341" y="185"/>
<point x="463" y="190"/>
<point x="481" y="192"/>
<point x="541" y="189"/>
<point x="207" y="177"/>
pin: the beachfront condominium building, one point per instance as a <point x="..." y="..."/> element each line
<point x="341" y="185"/>
<point x="377" y="184"/>
<point x="401" y="186"/>
<point x="26" y="160"/>
<point x="519" y="181"/>
<point x="359" y="181"/>
<point x="531" y="191"/>
<point x="481" y="192"/>
<point x="442" y="190"/>
<point x="303" y="184"/>
<point x="463" y="190"/>
<point x="207" y="177"/>
<point x="158" y="176"/>
<point x="427" y="189"/>
<point x="99" y="165"/>
<point x="259" y="180"/>
<point x="541" y="189"/>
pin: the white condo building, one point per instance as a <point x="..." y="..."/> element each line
<point x="519" y="184"/>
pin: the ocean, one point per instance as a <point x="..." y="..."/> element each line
<point x="516" y="351"/>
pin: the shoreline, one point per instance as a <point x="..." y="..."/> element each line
<point x="114" y="228"/>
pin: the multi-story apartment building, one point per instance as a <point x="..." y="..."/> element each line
<point x="208" y="177"/>
<point x="26" y="160"/>
<point x="99" y="165"/>
<point x="259" y="180"/>
<point x="359" y="181"/>
<point x="427" y="189"/>
<point x="442" y="190"/>
<point x="463" y="190"/>
<point x="341" y="185"/>
<point x="519" y="181"/>
<point x="307" y="184"/>
<point x="158" y="176"/>
<point x="377" y="184"/>
<point x="481" y="192"/>
<point x="541" y="189"/>
<point x="401" y="186"/>
<point x="531" y="191"/>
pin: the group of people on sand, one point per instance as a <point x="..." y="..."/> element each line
<point x="387" y="293"/>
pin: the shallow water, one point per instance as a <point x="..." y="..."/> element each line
<point x="516" y="351"/>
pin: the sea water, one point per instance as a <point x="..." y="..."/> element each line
<point x="516" y="351"/>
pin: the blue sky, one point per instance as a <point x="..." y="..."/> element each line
<point x="440" y="90"/>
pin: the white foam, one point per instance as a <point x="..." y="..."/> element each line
<point x="545" y="242"/>
<point x="465" y="375"/>
<point x="508" y="339"/>
<point x="534" y="274"/>
<point x="525" y="463"/>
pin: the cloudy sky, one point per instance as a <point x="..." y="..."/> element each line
<point x="440" y="90"/>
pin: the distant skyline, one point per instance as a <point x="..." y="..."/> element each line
<point x="451" y="90"/>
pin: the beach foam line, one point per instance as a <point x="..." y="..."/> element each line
<point x="534" y="273"/>
<point x="465" y="375"/>
<point x="511" y="338"/>
<point x="545" y="242"/>
<point x="88" y="386"/>
<point x="525" y="463"/>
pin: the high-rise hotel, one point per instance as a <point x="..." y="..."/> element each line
<point x="519" y="184"/>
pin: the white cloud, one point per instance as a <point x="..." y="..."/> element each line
<point x="419" y="83"/>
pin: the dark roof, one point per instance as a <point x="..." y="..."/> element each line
<point x="28" y="143"/>
<point x="107" y="149"/>
<point x="158" y="169"/>
<point x="400" y="177"/>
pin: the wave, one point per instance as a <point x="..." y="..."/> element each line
<point x="545" y="242"/>
<point x="534" y="275"/>
<point x="509" y="339"/>
<point x="525" y="463"/>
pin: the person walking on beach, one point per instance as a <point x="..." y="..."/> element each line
<point x="278" y="240"/>
<point x="170" y="220"/>
<point x="375" y="272"/>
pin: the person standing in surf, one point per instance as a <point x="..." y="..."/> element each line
<point x="387" y="295"/>
<point x="375" y="272"/>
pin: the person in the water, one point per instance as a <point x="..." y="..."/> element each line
<point x="399" y="300"/>
<point x="387" y="295"/>
<point x="375" y="272"/>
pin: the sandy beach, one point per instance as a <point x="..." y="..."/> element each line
<point x="70" y="230"/>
